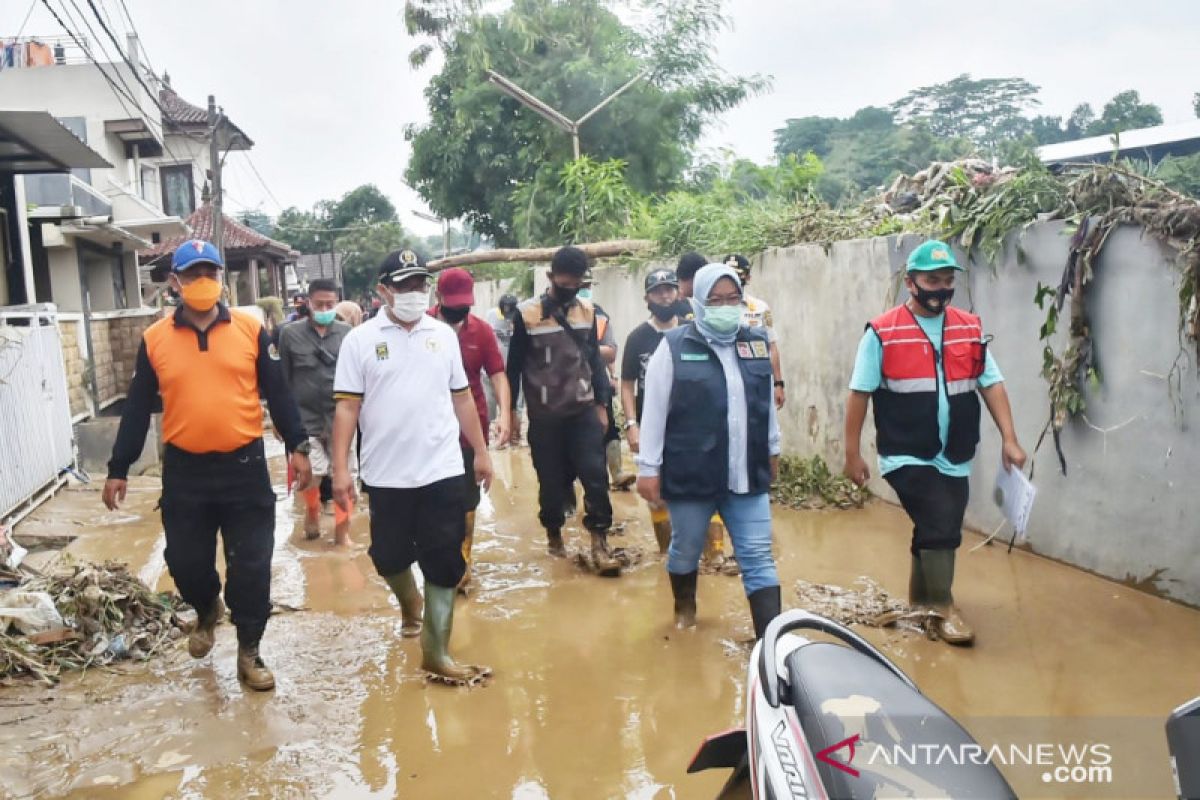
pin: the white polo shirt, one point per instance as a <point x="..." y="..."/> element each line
<point x="405" y="380"/>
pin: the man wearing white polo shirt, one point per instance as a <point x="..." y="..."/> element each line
<point x="400" y="379"/>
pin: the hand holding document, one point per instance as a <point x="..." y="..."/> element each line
<point x="1015" y="495"/>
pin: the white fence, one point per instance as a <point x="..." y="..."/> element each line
<point x="36" y="442"/>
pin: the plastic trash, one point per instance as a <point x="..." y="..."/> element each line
<point x="30" y="612"/>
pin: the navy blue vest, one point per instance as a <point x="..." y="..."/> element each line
<point x="696" y="444"/>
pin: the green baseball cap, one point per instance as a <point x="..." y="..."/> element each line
<point x="930" y="256"/>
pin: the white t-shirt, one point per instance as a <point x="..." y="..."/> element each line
<point x="405" y="379"/>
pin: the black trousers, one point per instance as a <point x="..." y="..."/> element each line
<point x="936" y="503"/>
<point x="471" y="490"/>
<point x="425" y="525"/>
<point x="565" y="446"/>
<point x="231" y="493"/>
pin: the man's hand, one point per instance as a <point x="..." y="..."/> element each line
<point x="344" y="494"/>
<point x="780" y="397"/>
<point x="1013" y="455"/>
<point x="483" y="469"/>
<point x="114" y="493"/>
<point x="650" y="490"/>
<point x="856" y="469"/>
<point x="505" y="431"/>
<point x="602" y="415"/>
<point x="633" y="437"/>
<point x="302" y="469"/>
<point x="774" y="468"/>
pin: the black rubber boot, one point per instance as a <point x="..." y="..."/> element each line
<point x="764" y="607"/>
<point x="684" y="589"/>
<point x="554" y="544"/>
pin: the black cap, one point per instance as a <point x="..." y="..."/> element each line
<point x="738" y="263"/>
<point x="507" y="300"/>
<point x="661" y="277"/>
<point x="401" y="264"/>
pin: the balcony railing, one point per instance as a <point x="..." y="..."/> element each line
<point x="66" y="190"/>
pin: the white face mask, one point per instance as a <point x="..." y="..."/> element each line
<point x="409" y="306"/>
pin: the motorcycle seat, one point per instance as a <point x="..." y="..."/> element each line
<point x="838" y="693"/>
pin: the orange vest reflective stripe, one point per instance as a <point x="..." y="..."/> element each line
<point x="906" y="403"/>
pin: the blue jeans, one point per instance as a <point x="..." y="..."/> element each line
<point x="747" y="517"/>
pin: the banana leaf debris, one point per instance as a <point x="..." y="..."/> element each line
<point x="108" y="615"/>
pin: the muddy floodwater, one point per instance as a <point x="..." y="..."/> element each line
<point x="594" y="694"/>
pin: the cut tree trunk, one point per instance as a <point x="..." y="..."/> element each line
<point x="617" y="247"/>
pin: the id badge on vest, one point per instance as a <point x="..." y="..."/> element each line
<point x="752" y="350"/>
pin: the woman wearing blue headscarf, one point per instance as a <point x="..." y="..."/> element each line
<point x="710" y="443"/>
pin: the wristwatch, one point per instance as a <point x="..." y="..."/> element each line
<point x="779" y="384"/>
<point x="302" y="448"/>
<point x="629" y="423"/>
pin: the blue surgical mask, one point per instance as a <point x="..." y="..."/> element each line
<point x="585" y="293"/>
<point x="324" y="318"/>
<point x="723" y="319"/>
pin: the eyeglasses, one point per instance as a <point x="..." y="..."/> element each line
<point x="724" y="300"/>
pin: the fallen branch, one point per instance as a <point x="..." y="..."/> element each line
<point x="617" y="247"/>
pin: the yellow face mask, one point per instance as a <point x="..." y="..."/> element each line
<point x="201" y="294"/>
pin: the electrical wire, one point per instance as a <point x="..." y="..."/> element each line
<point x="25" y="21"/>
<point x="270" y="194"/>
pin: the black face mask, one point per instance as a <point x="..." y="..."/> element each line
<point x="563" y="294"/>
<point x="663" y="313"/>
<point x="455" y="315"/>
<point x="302" y="310"/>
<point x="932" y="300"/>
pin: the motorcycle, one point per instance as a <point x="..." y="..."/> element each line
<point x="812" y="704"/>
<point x="818" y="713"/>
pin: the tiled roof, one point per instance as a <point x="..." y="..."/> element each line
<point x="182" y="114"/>
<point x="239" y="239"/>
<point x="180" y="111"/>
<point x="311" y="266"/>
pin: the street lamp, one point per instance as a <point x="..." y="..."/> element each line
<point x="556" y="118"/>
<point x="445" y="223"/>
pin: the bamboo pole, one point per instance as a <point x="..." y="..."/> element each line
<point x="610" y="249"/>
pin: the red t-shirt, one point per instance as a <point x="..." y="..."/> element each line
<point x="480" y="353"/>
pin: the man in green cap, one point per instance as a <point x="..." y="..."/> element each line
<point x="924" y="364"/>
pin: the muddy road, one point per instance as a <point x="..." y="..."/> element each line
<point x="594" y="695"/>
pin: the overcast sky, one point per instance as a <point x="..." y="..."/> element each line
<point x="325" y="89"/>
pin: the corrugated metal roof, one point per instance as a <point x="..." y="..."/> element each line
<point x="1162" y="140"/>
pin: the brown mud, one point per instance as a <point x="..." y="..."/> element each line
<point x="594" y="694"/>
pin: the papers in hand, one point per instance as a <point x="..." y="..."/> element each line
<point x="1014" y="495"/>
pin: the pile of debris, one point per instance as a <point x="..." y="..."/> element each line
<point x="912" y="194"/>
<point x="79" y="616"/>
<point x="810" y="484"/>
<point x="869" y="604"/>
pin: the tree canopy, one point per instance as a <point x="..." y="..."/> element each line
<point x="481" y="147"/>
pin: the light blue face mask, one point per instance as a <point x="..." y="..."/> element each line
<point x="586" y="294"/>
<point x="324" y="318"/>
<point x="723" y="319"/>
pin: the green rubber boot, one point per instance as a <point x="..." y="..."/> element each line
<point x="937" y="570"/>
<point x="435" y="640"/>
<point x="404" y="586"/>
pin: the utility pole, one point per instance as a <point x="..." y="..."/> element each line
<point x="214" y="166"/>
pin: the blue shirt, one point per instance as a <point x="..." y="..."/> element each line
<point x="868" y="374"/>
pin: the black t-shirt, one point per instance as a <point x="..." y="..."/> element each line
<point x="640" y="345"/>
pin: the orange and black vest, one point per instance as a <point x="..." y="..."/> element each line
<point x="558" y="375"/>
<point x="906" y="402"/>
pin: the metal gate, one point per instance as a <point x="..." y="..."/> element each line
<point x="36" y="441"/>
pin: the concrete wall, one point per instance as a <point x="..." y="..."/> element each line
<point x="116" y="336"/>
<point x="1127" y="508"/>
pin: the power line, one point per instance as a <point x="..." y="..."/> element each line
<point x="264" y="183"/>
<point x="25" y="21"/>
<point x="117" y="90"/>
